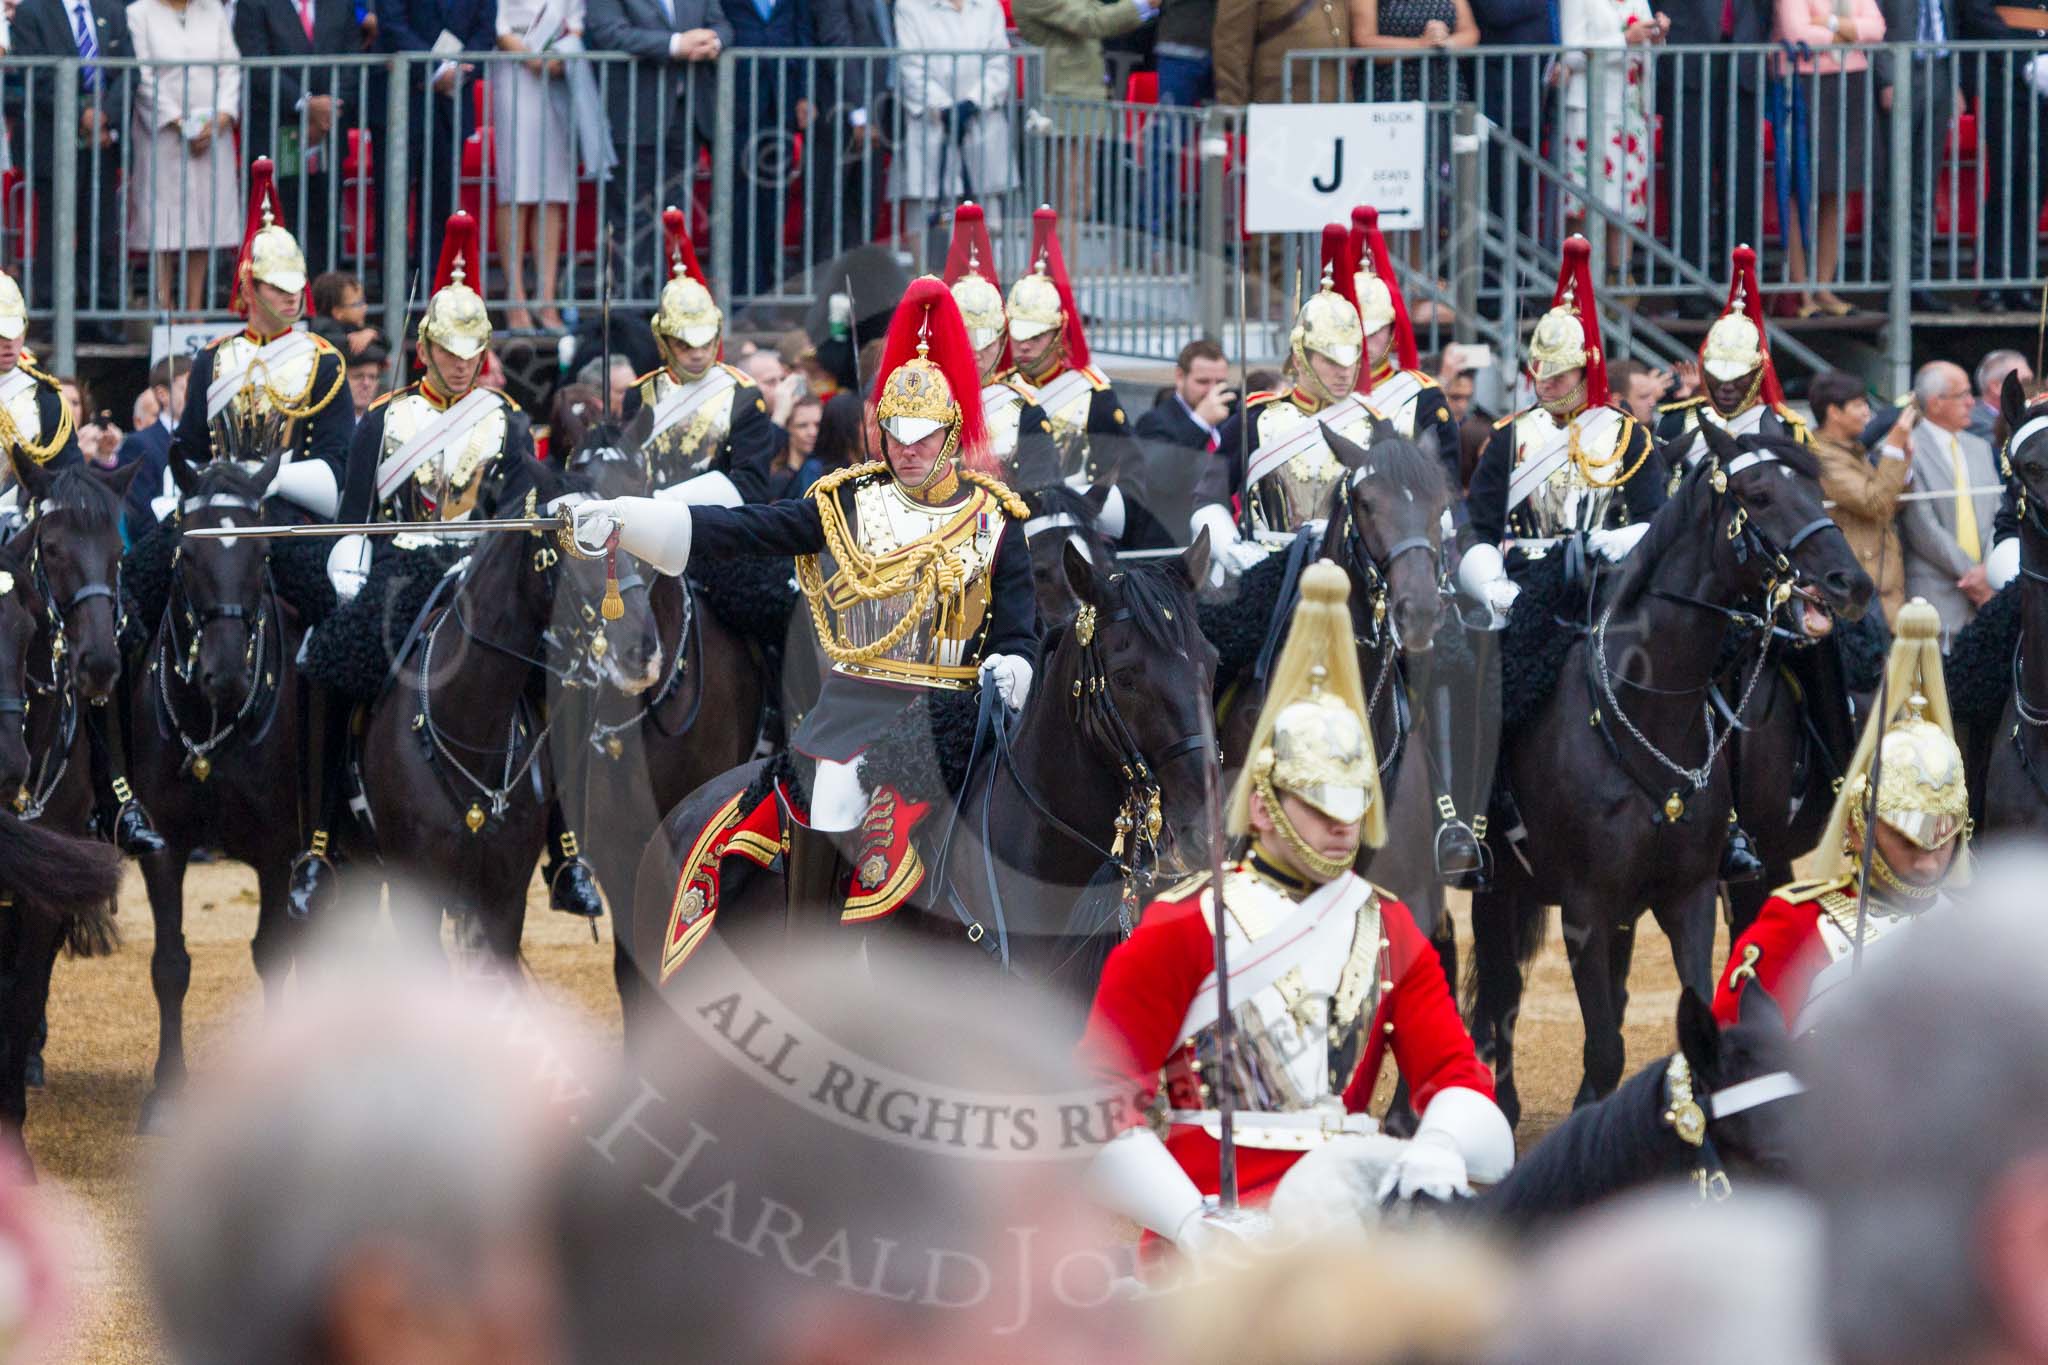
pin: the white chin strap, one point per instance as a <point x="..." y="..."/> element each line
<point x="1753" y="1094"/>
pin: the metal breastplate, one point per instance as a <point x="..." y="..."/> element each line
<point x="1299" y="490"/>
<point x="692" y="446"/>
<point x="1003" y="406"/>
<point x="23" y="420"/>
<point x="1568" y="501"/>
<point x="254" y="422"/>
<point x="445" y="485"/>
<point x="1070" y="434"/>
<point x="941" y="647"/>
<point x="1401" y="414"/>
<point x="1299" y="1039"/>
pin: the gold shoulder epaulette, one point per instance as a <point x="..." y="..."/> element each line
<point x="831" y="483"/>
<point x="1185" y="887"/>
<point x="1096" y="377"/>
<point x="382" y="399"/>
<point x="1427" y="381"/>
<point x="508" y="400"/>
<point x="224" y="336"/>
<point x="1682" y="404"/>
<point x="1506" y="421"/>
<point x="1000" y="491"/>
<point x="649" y="376"/>
<point x="37" y="371"/>
<point x="1801" y="892"/>
<point x="322" y="345"/>
<point x="745" y="380"/>
<point x="1263" y="396"/>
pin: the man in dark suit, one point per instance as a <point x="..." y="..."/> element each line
<point x="660" y="115"/>
<point x="297" y="113"/>
<point x="843" y="160"/>
<point x="440" y="94"/>
<point x="765" y="125"/>
<point x="1512" y="96"/>
<point x="2015" y="162"/>
<point x="1179" y="433"/>
<point x="1931" y="109"/>
<point x="150" y="447"/>
<point x="76" y="28"/>
<point x="1701" y="98"/>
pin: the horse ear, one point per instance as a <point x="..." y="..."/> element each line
<point x="117" y="480"/>
<point x="1194" y="561"/>
<point x="1428" y="444"/>
<point x="267" y="474"/>
<point x="1757" y="1009"/>
<point x="1349" y="453"/>
<point x="2012" y="402"/>
<point x="33" y="478"/>
<point x="1721" y="444"/>
<point x="182" y="472"/>
<point x="1699" y="1037"/>
<point x="1080" y="572"/>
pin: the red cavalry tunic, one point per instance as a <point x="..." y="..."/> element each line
<point x="1135" y="1042"/>
<point x="1786" y="947"/>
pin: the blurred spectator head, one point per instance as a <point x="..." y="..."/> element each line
<point x="1942" y="391"/>
<point x="1456" y="375"/>
<point x="366" y="376"/>
<point x="1400" y="1298"/>
<point x="805" y="417"/>
<point x="339" y="295"/>
<point x="1262" y="381"/>
<point x="1841" y="405"/>
<point x="1663" y="1277"/>
<point x="1473" y="433"/>
<point x="1926" y="1139"/>
<point x="148" y="407"/>
<point x="358" y="1181"/>
<point x="174" y="402"/>
<point x="1198" y="370"/>
<point x="1992" y="370"/>
<point x="766" y="369"/>
<point x="870" y="359"/>
<point x="577" y="408"/>
<point x="68" y="388"/>
<point x="717" y="1212"/>
<point x="591" y="376"/>
<point x="839" y="432"/>
<point x="1625" y="386"/>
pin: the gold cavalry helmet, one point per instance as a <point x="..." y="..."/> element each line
<point x="269" y="251"/>
<point x="1312" y="739"/>
<point x="1035" y="304"/>
<point x="687" y="313"/>
<point x="1328" y="323"/>
<point x="1734" y="348"/>
<point x="456" y="319"/>
<point x="13" y="309"/>
<point x="981" y="307"/>
<point x="1920" y="787"/>
<point x="971" y="275"/>
<point x="1558" y="344"/>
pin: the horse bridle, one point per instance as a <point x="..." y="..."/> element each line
<point x="170" y="659"/>
<point x="1691" y="1114"/>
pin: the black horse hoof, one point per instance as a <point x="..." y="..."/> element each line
<point x="312" y="886"/>
<point x="573" y="890"/>
<point x="133" y="834"/>
<point x="1739" y="862"/>
<point x="32" y="1071"/>
<point x="157" y="1110"/>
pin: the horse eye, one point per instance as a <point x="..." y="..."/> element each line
<point x="1125" y="678"/>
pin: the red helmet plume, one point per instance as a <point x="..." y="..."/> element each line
<point x="1045" y="246"/>
<point x="678" y="250"/>
<point x="928" y="318"/>
<point x="458" y="253"/>
<point x="1745" y="299"/>
<point x="1369" y="247"/>
<point x="262" y="196"/>
<point x="1337" y="264"/>
<point x="1575" y="291"/>
<point x="971" y="248"/>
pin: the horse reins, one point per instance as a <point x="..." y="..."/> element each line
<point x="35" y="798"/>
<point x="262" y="683"/>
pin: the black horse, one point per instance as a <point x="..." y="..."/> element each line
<point x="1739" y="1079"/>
<point x="217" y="729"/>
<point x="1032" y="857"/>
<point x="68" y="564"/>
<point x="1620" y="777"/>
<point x="2015" y="779"/>
<point x="453" y="756"/>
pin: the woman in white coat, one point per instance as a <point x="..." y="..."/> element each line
<point x="185" y="185"/>
<point x="1612" y="122"/>
<point x="954" y="111"/>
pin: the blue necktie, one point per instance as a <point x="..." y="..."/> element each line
<point x="87" y="47"/>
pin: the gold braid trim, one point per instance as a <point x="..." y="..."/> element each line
<point x="288" y="406"/>
<point x="923" y="571"/>
<point x="1585" y="467"/>
<point x="1000" y="491"/>
<point x="13" y="435"/>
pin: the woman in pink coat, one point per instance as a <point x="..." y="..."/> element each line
<point x="1835" y="80"/>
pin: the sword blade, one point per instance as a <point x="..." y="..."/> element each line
<point x="380" y="528"/>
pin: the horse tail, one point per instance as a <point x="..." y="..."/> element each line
<point x="1532" y="923"/>
<point x="58" y="874"/>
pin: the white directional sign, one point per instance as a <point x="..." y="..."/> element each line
<point x="1308" y="164"/>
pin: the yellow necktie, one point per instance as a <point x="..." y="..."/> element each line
<point x="1966" y="506"/>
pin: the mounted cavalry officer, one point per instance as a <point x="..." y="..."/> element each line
<point x="1571" y="466"/>
<point x="1327" y="975"/>
<point x="1282" y="464"/>
<point x="1742" y="394"/>
<point x="440" y="449"/>
<point x="1019" y="433"/>
<point x="1391" y="379"/>
<point x="2002" y="565"/>
<point x="916" y="581"/>
<point x="700" y="424"/>
<point x="271" y="386"/>
<point x="1050" y="351"/>
<point x="1803" y="942"/>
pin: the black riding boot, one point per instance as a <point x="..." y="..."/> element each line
<point x="572" y="886"/>
<point x="1739" y="862"/>
<point x="814" y="880"/>
<point x="1460" y="857"/>
<point x="313" y="878"/>
<point x="119" y="816"/>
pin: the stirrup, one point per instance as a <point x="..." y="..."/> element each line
<point x="1739" y="862"/>
<point x="132" y="832"/>
<point x="572" y="889"/>
<point x="1462" y="859"/>
<point x="312" y="882"/>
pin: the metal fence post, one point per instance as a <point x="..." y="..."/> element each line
<point x="1902" y="243"/>
<point x="1209" y="248"/>
<point x="1466" y="183"/>
<point x="394" y="161"/>
<point x="63" y="286"/>
<point x="722" y="152"/>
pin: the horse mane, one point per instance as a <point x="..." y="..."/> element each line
<point x="1601" y="1149"/>
<point x="229" y="478"/>
<point x="1789" y="451"/>
<point x="1151" y="592"/>
<point x="1394" y="458"/>
<point x="92" y="503"/>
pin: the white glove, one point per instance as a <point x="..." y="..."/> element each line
<point x="655" y="532"/>
<point x="1011" y="675"/>
<point x="1211" y="1229"/>
<point x="1484" y="577"/>
<point x="348" y="565"/>
<point x="1614" y="544"/>
<point x="1226" y="550"/>
<point x="308" y="484"/>
<point x="1431" y="1164"/>
<point x="2003" y="563"/>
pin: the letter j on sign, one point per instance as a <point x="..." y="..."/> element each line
<point x="1309" y="163"/>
